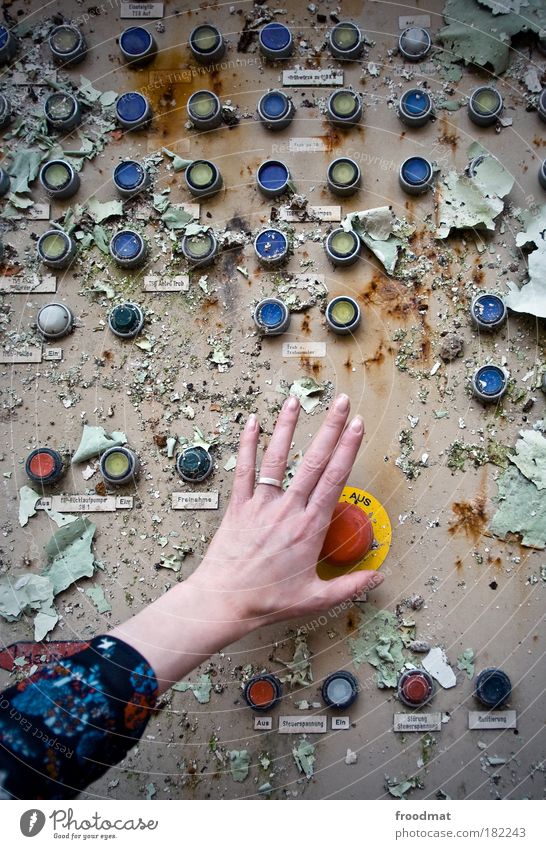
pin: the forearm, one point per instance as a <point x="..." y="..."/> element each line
<point x="63" y="727"/>
<point x="183" y="628"/>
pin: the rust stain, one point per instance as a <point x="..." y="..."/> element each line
<point x="478" y="273"/>
<point x="494" y="561"/>
<point x="306" y="325"/>
<point x="348" y="364"/>
<point x="448" y="134"/>
<point x="352" y="623"/>
<point x="379" y="356"/>
<point x="471" y="517"/>
<point x="394" y="298"/>
<point x="332" y="138"/>
<point x="170" y="86"/>
<point x="458" y="564"/>
<point x="100" y="488"/>
<point x="313" y="366"/>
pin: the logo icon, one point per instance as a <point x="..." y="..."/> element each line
<point x="32" y="822"/>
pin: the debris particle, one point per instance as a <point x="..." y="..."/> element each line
<point x="239" y="764"/>
<point x="436" y="664"/>
<point x="400" y="788"/>
<point x="465" y="662"/>
<point x="304" y="756"/>
<point x="96" y="594"/>
<point x="27" y="504"/>
<point x="452" y="347"/>
<point x="201" y="688"/>
<point x="299" y="673"/>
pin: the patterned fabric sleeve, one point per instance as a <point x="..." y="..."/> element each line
<point x="68" y="723"/>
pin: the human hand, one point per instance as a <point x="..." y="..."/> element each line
<point x="261" y="564"/>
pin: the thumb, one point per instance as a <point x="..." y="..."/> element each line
<point x="348" y="586"/>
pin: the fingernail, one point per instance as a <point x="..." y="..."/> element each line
<point x="342" y="403"/>
<point x="292" y="403"/>
<point x="357" y="425"/>
<point x="252" y="422"/>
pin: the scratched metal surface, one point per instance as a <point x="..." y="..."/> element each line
<point x="461" y="610"/>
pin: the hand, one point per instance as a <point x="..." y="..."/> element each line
<point x="261" y="564"/>
<point x="262" y="561"/>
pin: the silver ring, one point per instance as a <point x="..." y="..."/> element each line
<point x="270" y="482"/>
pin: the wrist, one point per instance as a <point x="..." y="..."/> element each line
<point x="184" y="628"/>
<point x="220" y="609"/>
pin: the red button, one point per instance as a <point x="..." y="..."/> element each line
<point x="349" y="537"/>
<point x="416" y="688"/>
<point x="42" y="465"/>
<point x="261" y="693"/>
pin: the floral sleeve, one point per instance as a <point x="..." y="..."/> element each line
<point x="64" y="726"/>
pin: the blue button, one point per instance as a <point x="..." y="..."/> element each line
<point x="271" y="315"/>
<point x="274" y="105"/>
<point x="275" y="36"/>
<point x="194" y="464"/>
<point x="493" y="687"/>
<point x="416" y="171"/>
<point x="128" y="175"/>
<point x="271" y="243"/>
<point x="124" y="317"/>
<point x="415" y="102"/>
<point x="126" y="244"/>
<point x="490" y="380"/>
<point x="131" y="106"/>
<point x="135" y="41"/>
<point x="273" y="175"/>
<point x="4" y="35"/>
<point x="488" y="309"/>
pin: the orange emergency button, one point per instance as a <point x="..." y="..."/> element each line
<point x="349" y="537"/>
<point x="359" y="535"/>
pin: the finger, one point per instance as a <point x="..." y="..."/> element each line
<point x="327" y="491"/>
<point x="320" y="451"/>
<point x="347" y="587"/>
<point x="245" y="470"/>
<point x="276" y="456"/>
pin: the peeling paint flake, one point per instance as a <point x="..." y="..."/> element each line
<point x="239" y="764"/>
<point x="201" y="688"/>
<point x="95" y="440"/>
<point x="480" y="31"/>
<point x="381" y="643"/>
<point x="476" y="201"/>
<point x="381" y="232"/>
<point x="531" y="297"/>
<point x="522" y="510"/>
<point x="304" y="756"/>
